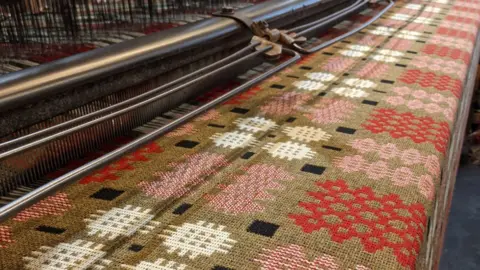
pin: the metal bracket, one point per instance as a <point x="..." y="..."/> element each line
<point x="263" y="34"/>
<point x="229" y="12"/>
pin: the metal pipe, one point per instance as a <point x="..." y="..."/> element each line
<point x="303" y="26"/>
<point x="33" y="84"/>
<point x="70" y="123"/>
<point x="340" y="15"/>
<point x="69" y="131"/>
<point x="349" y="33"/>
<point x="43" y="191"/>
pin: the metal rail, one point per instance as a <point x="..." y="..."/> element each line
<point x="43" y="191"/>
<point x="137" y="105"/>
<point x="50" y="130"/>
<point x="341" y="37"/>
<point x="43" y="81"/>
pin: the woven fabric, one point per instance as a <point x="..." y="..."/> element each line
<point x="332" y="164"/>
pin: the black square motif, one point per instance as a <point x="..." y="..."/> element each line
<point x="331" y="148"/>
<point x="248" y="155"/>
<point x="263" y="228"/>
<point x="240" y="110"/>
<point x="216" y="126"/>
<point x="321" y="94"/>
<point x="291" y="119"/>
<point x="370" y="102"/>
<point x="218" y="267"/>
<point x="48" y="229"/>
<point x="107" y="194"/>
<point x="387" y="81"/>
<point x="313" y="169"/>
<point x="277" y="86"/>
<point x="135" y="247"/>
<point x="182" y="208"/>
<point x="346" y="130"/>
<point x="187" y="144"/>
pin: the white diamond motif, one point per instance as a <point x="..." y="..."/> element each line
<point x="308" y="85"/>
<point x="255" y="124"/>
<point x="307" y="134"/>
<point x="233" y="140"/>
<point x="289" y="150"/>
<point x="77" y="255"/>
<point x="120" y="222"/>
<point x="197" y="239"/>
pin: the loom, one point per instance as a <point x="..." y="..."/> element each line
<point x="80" y="73"/>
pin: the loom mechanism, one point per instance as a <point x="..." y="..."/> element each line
<point x="133" y="85"/>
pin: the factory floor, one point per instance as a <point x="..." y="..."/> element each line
<point x="462" y="240"/>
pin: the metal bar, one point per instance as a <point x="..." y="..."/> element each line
<point x="47" y="131"/>
<point x="64" y="133"/>
<point x="339" y="16"/>
<point x="303" y="26"/>
<point x="341" y="37"/>
<point x="30" y="85"/>
<point x="43" y="191"/>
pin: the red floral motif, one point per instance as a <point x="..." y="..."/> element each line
<point x="5" y="236"/>
<point x="328" y="110"/>
<point x="371" y="40"/>
<point x="407" y="125"/>
<point x="245" y="194"/>
<point x="469" y="9"/>
<point x="244" y="96"/>
<point x="208" y="115"/>
<point x="430" y="79"/>
<point x="444" y="51"/>
<point x="55" y="205"/>
<point x="463" y="19"/>
<point x="338" y="64"/>
<point x="398" y="44"/>
<point x="378" y="221"/>
<point x="110" y="172"/>
<point x="455" y="33"/>
<point x="185" y="175"/>
<point x="285" y="104"/>
<point x="186" y="129"/>
<point x="373" y="70"/>
<point x="294" y="257"/>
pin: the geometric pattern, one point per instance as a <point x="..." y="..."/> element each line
<point x="390" y="31"/>
<point x="430" y="79"/>
<point x="285" y="104"/>
<point x="306" y="134"/>
<point x="378" y="221"/>
<point x="249" y="189"/>
<point x="309" y="200"/>
<point x="419" y="99"/>
<point x="390" y="151"/>
<point x="5" y="236"/>
<point x="289" y="150"/>
<point x="54" y="205"/>
<point x="234" y="139"/>
<point x="294" y="257"/>
<point x="399" y="176"/>
<point x="197" y="239"/>
<point x="407" y="125"/>
<point x="329" y="110"/>
<point x="255" y="124"/>
<point x="159" y="264"/>
<point x="185" y="175"/>
<point x="77" y="255"/>
<point x="120" y="222"/>
<point x="438" y="64"/>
